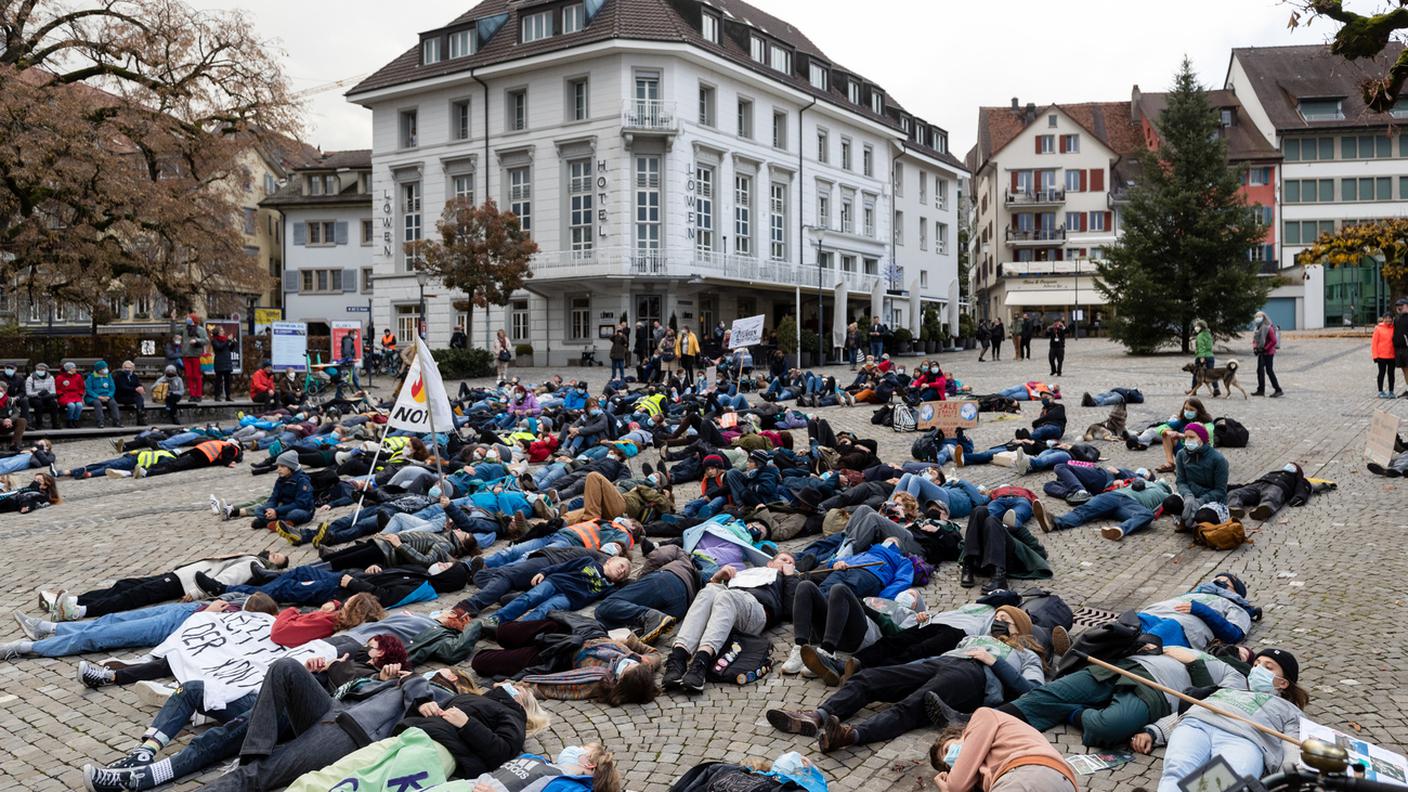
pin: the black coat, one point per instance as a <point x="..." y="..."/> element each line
<point x="710" y="776"/>
<point x="643" y="344"/>
<point x="997" y="331"/>
<point x="493" y="735"/>
<point x="223" y="346"/>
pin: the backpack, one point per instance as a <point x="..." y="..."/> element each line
<point x="926" y="448"/>
<point x="883" y="416"/>
<point x="1227" y="535"/>
<point x="1111" y="641"/>
<point x="1046" y="609"/>
<point x="747" y="658"/>
<point x="1229" y="433"/>
<point x="160" y="391"/>
<point x="904" y="419"/>
<point x="996" y="403"/>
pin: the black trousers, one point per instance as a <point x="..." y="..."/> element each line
<point x="834" y="620"/>
<point x="222" y="385"/>
<point x="190" y="460"/>
<point x="1385" y="368"/>
<point x="1255" y="494"/>
<point x="985" y="541"/>
<point x="1265" y="370"/>
<point x="997" y="348"/>
<point x="359" y="555"/>
<point x="1026" y="346"/>
<point x="916" y="643"/>
<point x="1056" y="357"/>
<point x="131" y="594"/>
<point x="960" y="681"/>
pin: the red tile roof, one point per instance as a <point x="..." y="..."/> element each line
<point x="1244" y="141"/>
<point x="1109" y="122"/>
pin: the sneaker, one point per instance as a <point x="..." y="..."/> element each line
<point x="694" y="678"/>
<point x="110" y="473"/>
<point x="1078" y="497"/>
<point x="656" y="625"/>
<point x="13" y="649"/>
<point x="1112" y="532"/>
<point x="476" y="565"/>
<point x="1009" y="518"/>
<point x="103" y="779"/>
<point x="47" y="600"/>
<point x="1039" y="512"/>
<point x="1263" y="512"/>
<point x="852" y="666"/>
<point x="209" y="584"/>
<point x="216" y="507"/>
<point x="286" y="531"/>
<point x="676" y="663"/>
<point x="320" y="535"/>
<point x="1276" y="394"/>
<point x="152" y="694"/>
<point x="804" y="723"/>
<point x="227" y="510"/>
<point x="517" y="525"/>
<point x="66" y="608"/>
<point x="1086" y="400"/>
<point x="1023" y="463"/>
<point x="793" y="664"/>
<point x="1060" y="640"/>
<point x="32" y="628"/>
<point x="93" y="675"/>
<point x="823" y="664"/>
<point x="118" y="444"/>
<point x="940" y="713"/>
<point x="137" y="757"/>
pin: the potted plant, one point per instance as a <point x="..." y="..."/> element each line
<point x="787" y="340"/>
<point x="902" y="338"/>
<point x="936" y="330"/>
<point x="524" y="353"/>
<point x="967" y="331"/>
<point x="926" y="339"/>
<point x="811" y="348"/>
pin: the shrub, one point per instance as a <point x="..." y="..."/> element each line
<point x="787" y="335"/>
<point x="902" y="335"/>
<point x="464" y="363"/>
<point x="966" y="327"/>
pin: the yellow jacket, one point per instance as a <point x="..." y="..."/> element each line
<point x="687" y="343"/>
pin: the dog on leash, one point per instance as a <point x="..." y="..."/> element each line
<point x="1112" y="428"/>
<point x="1226" y="376"/>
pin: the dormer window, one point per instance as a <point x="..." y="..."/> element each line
<point x="573" y="18"/>
<point x="1226" y="116"/>
<point x="877" y="102"/>
<point x="1322" y="109"/>
<point x="462" y="43"/>
<point x="816" y="73"/>
<point x="757" y="49"/>
<point x="709" y="27"/>
<point x="430" y="51"/>
<point x="781" y="59"/>
<point x="941" y="142"/>
<point x="537" y="26"/>
<point x="853" y="91"/>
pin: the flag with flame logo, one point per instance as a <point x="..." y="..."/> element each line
<point x="422" y="400"/>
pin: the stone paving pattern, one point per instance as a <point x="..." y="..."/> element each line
<point x="1331" y="576"/>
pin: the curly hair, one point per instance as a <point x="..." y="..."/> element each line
<point x="359" y="609"/>
<point x="393" y="652"/>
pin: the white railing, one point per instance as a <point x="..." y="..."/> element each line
<point x="650" y="115"/>
<point x="647" y="263"/>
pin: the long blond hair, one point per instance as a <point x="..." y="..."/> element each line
<point x="536" y="718"/>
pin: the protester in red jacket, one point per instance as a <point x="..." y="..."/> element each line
<point x="69" y="388"/>
<point x="261" y="385"/>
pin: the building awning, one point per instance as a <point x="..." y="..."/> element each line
<point x="1053" y="297"/>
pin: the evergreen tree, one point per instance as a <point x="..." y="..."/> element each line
<point x="1182" y="252"/>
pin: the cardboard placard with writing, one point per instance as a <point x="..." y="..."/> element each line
<point x="947" y="415"/>
<point x="1383" y="433"/>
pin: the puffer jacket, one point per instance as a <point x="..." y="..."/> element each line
<point x="1202" y="474"/>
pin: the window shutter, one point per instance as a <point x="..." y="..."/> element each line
<point x="340" y="233"/>
<point x="1082" y="181"/>
<point x="300" y="233"/>
<point x="1097" y="180"/>
<point x="349" y="276"/>
<point x="1014" y="181"/>
<point x="1063" y="144"/>
<point x="1109" y="221"/>
<point x="1037" y="141"/>
<point x="1084" y="222"/>
<point x="291" y="277"/>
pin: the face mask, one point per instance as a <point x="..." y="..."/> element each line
<point x="9" y="371"/>
<point x="1261" y="680"/>
<point x="625" y="665"/>
<point x="931" y="474"/>
<point x="441" y="566"/>
<point x="1258" y="320"/>
<point x="594" y="412"/>
<point x="571" y="756"/>
<point x="434" y="492"/>
<point x="1190" y="414"/>
<point x="41" y="374"/>
<point x="789" y="764"/>
<point x="951" y="755"/>
<point x="1000" y="628"/>
<point x="1290" y="468"/>
<point x="511" y="689"/>
<point x="1193" y="445"/>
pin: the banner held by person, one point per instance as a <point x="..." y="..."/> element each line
<point x="422" y="405"/>
<point x="745" y="332"/>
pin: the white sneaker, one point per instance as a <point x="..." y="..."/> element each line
<point x="47" y="600"/>
<point x="111" y="473"/>
<point x="152" y="694"/>
<point x="794" y="662"/>
<point x="215" y="506"/>
<point x="1023" y="463"/>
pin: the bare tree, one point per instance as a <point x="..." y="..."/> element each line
<point x="1364" y="36"/>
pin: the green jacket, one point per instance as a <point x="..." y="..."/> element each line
<point x="1202" y="345"/>
<point x="1202" y="475"/>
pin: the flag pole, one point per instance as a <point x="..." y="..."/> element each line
<point x="430" y="417"/>
<point x="361" y="496"/>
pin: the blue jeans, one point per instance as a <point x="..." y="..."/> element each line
<point x="1049" y="459"/>
<point x="124" y="462"/>
<point x="1014" y="503"/>
<point x="189" y="699"/>
<point x="543" y="478"/>
<point x="945" y="454"/>
<point x="1132" y="515"/>
<point x="303" y="585"/>
<point x="1194" y="742"/>
<point x="121" y="630"/>
<point x="661" y="591"/>
<point x="534" y="604"/>
<point x="519" y="550"/>
<point x="877" y="348"/>
<point x="618" y="369"/>
<point x="1073" y="478"/>
<point x="704" y="508"/>
<point x="1018" y="392"/>
<point x="922" y="489"/>
<point x="179" y="440"/>
<point x="963" y="498"/>
<point x="737" y="402"/>
<point x="73" y="410"/>
<point x="1047" y="432"/>
<point x="1107" y="399"/>
<point x="981" y="457"/>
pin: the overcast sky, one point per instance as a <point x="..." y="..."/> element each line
<point x="940" y="59"/>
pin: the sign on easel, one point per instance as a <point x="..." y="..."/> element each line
<point x="1383" y="435"/>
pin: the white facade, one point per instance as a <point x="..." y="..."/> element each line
<point x="655" y="204"/>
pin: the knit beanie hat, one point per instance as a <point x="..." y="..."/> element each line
<point x="1199" y="430"/>
<point x="715" y="461"/>
<point x="1021" y="621"/>
<point x="288" y="459"/>
<point x="453" y="578"/>
<point x="1289" y="667"/>
<point x="1237" y="584"/>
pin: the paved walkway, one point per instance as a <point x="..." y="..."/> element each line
<point x="1331" y="576"/>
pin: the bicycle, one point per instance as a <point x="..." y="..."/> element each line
<point x="1327" y="765"/>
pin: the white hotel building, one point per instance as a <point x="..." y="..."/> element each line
<point x="672" y="158"/>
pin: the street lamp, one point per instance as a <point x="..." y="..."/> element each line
<point x="815" y="233"/>
<point x="422" y="278"/>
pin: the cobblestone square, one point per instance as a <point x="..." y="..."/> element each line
<point x="1330" y="575"/>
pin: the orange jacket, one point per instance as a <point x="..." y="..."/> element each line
<point x="1382" y="345"/>
<point x="260" y="381"/>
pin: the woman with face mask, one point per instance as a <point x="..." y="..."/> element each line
<point x="42" y="394"/>
<point x="996" y="752"/>
<point x="1170" y="432"/>
<point x="591" y="766"/>
<point x="1200" y="472"/>
<point x="572" y="661"/>
<point x="1275" y="700"/>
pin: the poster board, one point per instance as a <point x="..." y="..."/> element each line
<point x="746" y="332"/>
<point x="340" y="329"/>
<point x="290" y="346"/>
<point x="1383" y="433"/>
<point x="232" y="328"/>
<point x="947" y="415"/>
<point x="264" y="318"/>
<point x="1372" y="762"/>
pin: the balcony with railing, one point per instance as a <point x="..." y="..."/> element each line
<point x="576" y="265"/>
<point x="1117" y="197"/>
<point x="1272" y="267"/>
<point x="1035" y="236"/>
<point x="1052" y="197"/>
<point x="642" y="116"/>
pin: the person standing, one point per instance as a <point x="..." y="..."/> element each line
<point x="984" y="338"/>
<point x="223" y="346"/>
<point x="643" y="347"/>
<point x="194" y="340"/>
<point x="1202" y="354"/>
<point x="1381" y="349"/>
<point x="503" y="353"/>
<point x="687" y="348"/>
<point x="1030" y="327"/>
<point x="620" y="348"/>
<point x="852" y="344"/>
<point x="877" y="338"/>
<point x="1056" y="355"/>
<point x="1400" y="339"/>
<point x="1264" y="344"/>
<point x="999" y="334"/>
<point x="458" y="340"/>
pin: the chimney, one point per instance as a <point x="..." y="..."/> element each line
<point x="1031" y="112"/>
<point x="1015" y="104"/>
<point x="1134" y="97"/>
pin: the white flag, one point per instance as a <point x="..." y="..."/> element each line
<point x="422" y="400"/>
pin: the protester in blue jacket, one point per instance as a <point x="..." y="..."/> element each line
<point x="291" y="502"/>
<point x="100" y="393"/>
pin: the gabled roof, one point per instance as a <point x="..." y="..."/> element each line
<point x="1109" y="122"/>
<point x="647" y="20"/>
<point x="1244" y="140"/>
<point x="352" y="159"/>
<point x="1282" y="76"/>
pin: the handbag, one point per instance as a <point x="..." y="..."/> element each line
<point x="505" y="356"/>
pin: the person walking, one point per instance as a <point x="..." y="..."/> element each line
<point x="1400" y="339"/>
<point x="1381" y="349"/>
<point x="1202" y="354"/>
<point x="984" y="338"/>
<point x="998" y="333"/>
<point x="620" y="350"/>
<point x="1264" y="343"/>
<point x="503" y="353"/>
<point x="194" y="340"/>
<point x="1056" y="355"/>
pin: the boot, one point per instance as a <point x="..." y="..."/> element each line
<point x="998" y="581"/>
<point x="965" y="576"/>
<point x="693" y="681"/>
<point x="675" y="667"/>
<point x="835" y="734"/>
